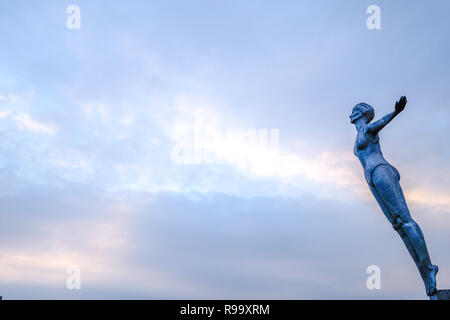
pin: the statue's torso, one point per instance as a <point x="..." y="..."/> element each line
<point x="367" y="149"/>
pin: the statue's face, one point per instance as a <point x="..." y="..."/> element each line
<point x="356" y="114"/>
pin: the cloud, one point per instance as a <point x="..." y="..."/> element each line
<point x="301" y="223"/>
<point x="4" y="114"/>
<point x="200" y="128"/>
<point x="437" y="201"/>
<point x="95" y="110"/>
<point x="13" y="98"/>
<point x="25" y="122"/>
<point x="197" y="246"/>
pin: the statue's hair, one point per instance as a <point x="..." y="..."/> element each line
<point x="366" y="110"/>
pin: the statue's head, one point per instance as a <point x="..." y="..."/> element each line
<point x="362" y="110"/>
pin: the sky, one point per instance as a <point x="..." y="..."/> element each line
<point x="94" y="122"/>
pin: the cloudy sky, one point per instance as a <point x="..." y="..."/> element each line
<point x="91" y="121"/>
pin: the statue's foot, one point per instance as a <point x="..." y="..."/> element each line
<point x="430" y="281"/>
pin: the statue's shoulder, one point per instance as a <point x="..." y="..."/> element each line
<point x="373" y="138"/>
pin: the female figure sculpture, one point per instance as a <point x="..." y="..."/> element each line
<point x="384" y="182"/>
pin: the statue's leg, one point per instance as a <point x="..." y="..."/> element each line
<point x="387" y="186"/>
<point x="393" y="221"/>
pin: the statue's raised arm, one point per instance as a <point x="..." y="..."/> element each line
<point x="375" y="127"/>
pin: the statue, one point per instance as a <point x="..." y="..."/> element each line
<point x="384" y="182"/>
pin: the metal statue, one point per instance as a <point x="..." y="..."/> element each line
<point x="384" y="182"/>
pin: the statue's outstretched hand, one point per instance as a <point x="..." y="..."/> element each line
<point x="400" y="104"/>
